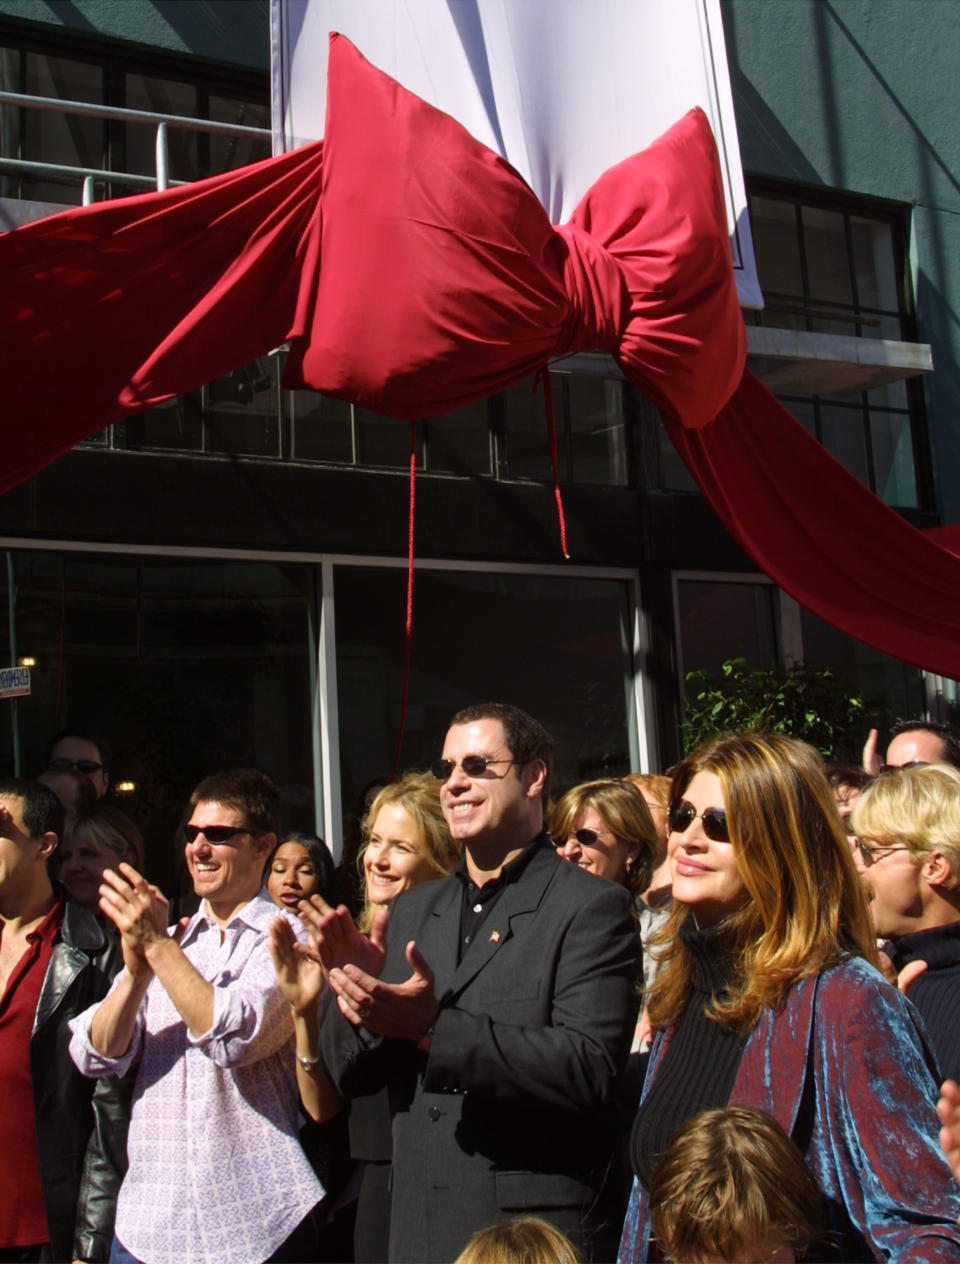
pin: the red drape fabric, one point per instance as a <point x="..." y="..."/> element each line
<point x="110" y="308"/>
<point x="415" y="272"/>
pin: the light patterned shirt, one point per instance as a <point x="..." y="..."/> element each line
<point x="216" y="1171"/>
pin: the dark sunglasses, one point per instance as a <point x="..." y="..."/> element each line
<point x="585" y="837"/>
<point x="213" y="833"/>
<point x="472" y="765"/>
<point x="886" y="769"/>
<point x="682" y="815"/>
<point x="85" y="766"/>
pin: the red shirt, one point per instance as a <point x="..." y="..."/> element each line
<point x="22" y="1218"/>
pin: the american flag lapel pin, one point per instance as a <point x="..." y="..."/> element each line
<point x="495" y="937"/>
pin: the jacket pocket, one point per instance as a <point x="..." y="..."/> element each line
<point x="525" y="1191"/>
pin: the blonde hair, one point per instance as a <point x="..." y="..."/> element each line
<point x="806" y="908"/>
<point x="418" y="793"/>
<point x="526" y="1240"/>
<point x="623" y="810"/>
<point x="728" y="1180"/>
<point x="103" y="823"/>
<point x="919" y="807"/>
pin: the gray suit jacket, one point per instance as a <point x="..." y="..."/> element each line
<point x="511" y="1111"/>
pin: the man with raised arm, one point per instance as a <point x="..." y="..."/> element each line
<point x="498" y="1017"/>
<point x="215" y="1168"/>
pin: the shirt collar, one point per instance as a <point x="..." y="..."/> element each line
<point x="257" y="914"/>
<point x="510" y="871"/>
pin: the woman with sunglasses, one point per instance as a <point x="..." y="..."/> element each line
<point x="605" y="827"/>
<point x="770" y="996"/>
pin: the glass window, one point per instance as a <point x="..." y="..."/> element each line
<point x="227" y="152"/>
<point x="475" y="637"/>
<point x="242" y="412"/>
<point x="892" y="443"/>
<point x="461" y="442"/>
<point x="832" y="269"/>
<point x="773" y="225"/>
<point x="874" y="262"/>
<point x="527" y="445"/>
<point x="842" y="434"/>
<point x="721" y="619"/>
<point x="161" y="96"/>
<point x="51" y="136"/>
<point x="323" y="428"/>
<point x="385" y="441"/>
<point x="828" y="269"/>
<point x="184" y="667"/>
<point x="598" y="434"/>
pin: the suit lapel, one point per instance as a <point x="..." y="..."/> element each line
<point x="520" y="897"/>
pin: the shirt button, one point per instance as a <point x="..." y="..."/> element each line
<point x="466" y="939"/>
<point x="434" y="1113"/>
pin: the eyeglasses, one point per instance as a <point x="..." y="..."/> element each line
<point x="914" y="763"/>
<point x="585" y="837"/>
<point x="682" y="815"/>
<point x="871" y="855"/>
<point x="472" y="765"/>
<point x="213" y="833"/>
<point x="85" y="766"/>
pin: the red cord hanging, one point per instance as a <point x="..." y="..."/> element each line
<point x="408" y="637"/>
<point x="544" y="377"/>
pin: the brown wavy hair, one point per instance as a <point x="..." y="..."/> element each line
<point x="624" y="812"/>
<point x="806" y="908"/>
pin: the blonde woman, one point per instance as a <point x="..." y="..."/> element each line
<point x="97" y="839"/>
<point x="405" y="843"/>
<point x="907" y="851"/>
<point x="770" y="996"/>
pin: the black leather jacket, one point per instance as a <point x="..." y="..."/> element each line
<point x="81" y="1124"/>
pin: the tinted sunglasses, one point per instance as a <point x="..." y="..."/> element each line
<point x="472" y="765"/>
<point x="213" y="833"/>
<point x="682" y="815"/>
<point x="585" y="837"/>
<point x="886" y="769"/>
<point x="85" y="766"/>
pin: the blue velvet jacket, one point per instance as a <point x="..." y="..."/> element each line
<point x="845" y="1068"/>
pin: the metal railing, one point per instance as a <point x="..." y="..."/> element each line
<point x="161" y="180"/>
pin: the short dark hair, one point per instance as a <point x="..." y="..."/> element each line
<point x="847" y="775"/>
<point x="947" y="734"/>
<point x="249" y="791"/>
<point x="42" y="810"/>
<point x="319" y="855"/>
<point x="525" y="736"/>
<point x="103" y="750"/>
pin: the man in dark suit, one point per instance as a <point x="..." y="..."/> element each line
<point x="499" y="1016"/>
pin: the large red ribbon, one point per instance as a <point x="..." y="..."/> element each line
<point x="423" y="274"/>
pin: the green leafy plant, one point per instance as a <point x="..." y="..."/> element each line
<point x="805" y="702"/>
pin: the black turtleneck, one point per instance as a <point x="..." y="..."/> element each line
<point x="701" y="1060"/>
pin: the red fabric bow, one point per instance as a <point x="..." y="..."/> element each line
<point x="443" y="280"/>
<point x="426" y="276"/>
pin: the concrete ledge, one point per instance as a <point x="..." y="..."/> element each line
<point x="795" y="362"/>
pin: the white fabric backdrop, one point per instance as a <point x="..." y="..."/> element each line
<point x="562" y="89"/>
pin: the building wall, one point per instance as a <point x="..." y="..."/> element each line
<point x="858" y="95"/>
<point x="234" y="32"/>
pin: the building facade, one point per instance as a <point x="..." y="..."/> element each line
<point x="222" y="580"/>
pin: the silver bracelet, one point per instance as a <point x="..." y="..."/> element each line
<point x="308" y="1063"/>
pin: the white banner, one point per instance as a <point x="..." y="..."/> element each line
<point x="563" y="89"/>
